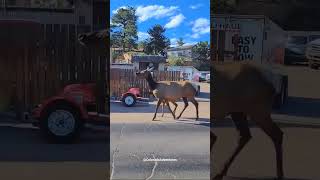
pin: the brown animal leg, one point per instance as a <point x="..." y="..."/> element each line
<point x="276" y="135"/>
<point x="174" y="116"/>
<point x="241" y="123"/>
<point x="196" y="104"/>
<point x="186" y="104"/>
<point x="213" y="138"/>
<point x="158" y="104"/>
<point x="175" y="108"/>
<point x="163" y="103"/>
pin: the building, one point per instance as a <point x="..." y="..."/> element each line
<point x="84" y="15"/>
<point x="187" y="72"/>
<point x="182" y="51"/>
<point x="141" y="62"/>
<point x="121" y="66"/>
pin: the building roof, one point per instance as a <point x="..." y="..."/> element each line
<point x="148" y="58"/>
<point x="180" y="48"/>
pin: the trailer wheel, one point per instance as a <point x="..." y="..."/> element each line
<point x="61" y="124"/>
<point x="129" y="100"/>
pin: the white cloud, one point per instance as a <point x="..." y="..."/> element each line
<point x="190" y="43"/>
<point x="154" y="11"/>
<point x="173" y="42"/>
<point x="121" y="7"/>
<point x="199" y="27"/>
<point x="195" y="35"/>
<point x="175" y="21"/>
<point x="143" y="36"/>
<point x="195" y="6"/>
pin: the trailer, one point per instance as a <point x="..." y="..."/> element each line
<point x="251" y="37"/>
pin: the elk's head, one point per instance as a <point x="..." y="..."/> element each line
<point x="97" y="40"/>
<point x="144" y="74"/>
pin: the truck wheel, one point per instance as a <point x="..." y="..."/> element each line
<point x="129" y="100"/>
<point x="280" y="99"/>
<point x="312" y="66"/>
<point x="61" y="124"/>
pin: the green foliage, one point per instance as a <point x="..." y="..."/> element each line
<point x="180" y="42"/>
<point x="224" y="6"/>
<point x="200" y="56"/>
<point x="124" y="28"/>
<point x="176" y="61"/>
<point x="158" y="42"/>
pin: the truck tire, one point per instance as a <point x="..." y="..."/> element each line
<point x="281" y="98"/>
<point x="312" y="66"/>
<point x="61" y="124"/>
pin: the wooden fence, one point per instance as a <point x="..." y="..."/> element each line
<point x="123" y="79"/>
<point x="38" y="71"/>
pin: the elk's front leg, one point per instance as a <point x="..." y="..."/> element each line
<point x="158" y="104"/>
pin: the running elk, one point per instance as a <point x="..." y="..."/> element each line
<point x="171" y="91"/>
<point x="245" y="90"/>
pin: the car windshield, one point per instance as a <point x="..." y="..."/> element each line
<point x="298" y="40"/>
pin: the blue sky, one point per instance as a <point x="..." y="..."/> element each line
<point x="187" y="19"/>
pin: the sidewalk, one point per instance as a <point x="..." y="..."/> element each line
<point x="296" y="120"/>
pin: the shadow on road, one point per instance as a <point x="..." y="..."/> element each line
<point x="118" y="107"/>
<point x="229" y="123"/>
<point x="25" y="144"/>
<point x="300" y="106"/>
<point x="199" y="122"/>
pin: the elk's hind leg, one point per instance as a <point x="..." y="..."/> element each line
<point x="196" y="104"/>
<point x="276" y="135"/>
<point x="186" y="104"/>
<point x="241" y="123"/>
<point x="175" y="106"/>
<point x="174" y="116"/>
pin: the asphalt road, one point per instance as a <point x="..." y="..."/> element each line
<point x="135" y="138"/>
<point x="24" y="155"/>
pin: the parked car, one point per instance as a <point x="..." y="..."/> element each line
<point x="295" y="50"/>
<point x="202" y="76"/>
<point x="313" y="54"/>
<point x="208" y="78"/>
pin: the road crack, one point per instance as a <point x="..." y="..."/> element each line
<point x="153" y="169"/>
<point x="115" y="152"/>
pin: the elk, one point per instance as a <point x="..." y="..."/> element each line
<point x="171" y="91"/>
<point x="245" y="90"/>
<point x="165" y="102"/>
